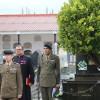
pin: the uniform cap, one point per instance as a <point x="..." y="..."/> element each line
<point x="48" y="46"/>
<point x="7" y="52"/>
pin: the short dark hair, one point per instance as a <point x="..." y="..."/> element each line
<point x="20" y="46"/>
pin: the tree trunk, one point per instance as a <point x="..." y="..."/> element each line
<point x="95" y="58"/>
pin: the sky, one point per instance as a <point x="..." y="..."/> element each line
<point x="30" y="6"/>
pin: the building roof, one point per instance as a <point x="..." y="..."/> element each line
<point x="28" y="22"/>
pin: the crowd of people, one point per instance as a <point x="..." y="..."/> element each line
<point x="17" y="74"/>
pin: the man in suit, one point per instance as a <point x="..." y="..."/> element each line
<point x="27" y="71"/>
<point x="10" y="78"/>
<point x="48" y="76"/>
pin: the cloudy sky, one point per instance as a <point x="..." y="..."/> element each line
<point x="30" y="6"/>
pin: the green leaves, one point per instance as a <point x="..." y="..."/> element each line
<point x="79" y="26"/>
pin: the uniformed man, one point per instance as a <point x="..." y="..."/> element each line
<point x="10" y="79"/>
<point x="48" y="76"/>
<point x="27" y="71"/>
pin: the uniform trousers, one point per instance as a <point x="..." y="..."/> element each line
<point x="46" y="93"/>
<point x="9" y="99"/>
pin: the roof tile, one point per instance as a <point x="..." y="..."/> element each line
<point x="29" y="22"/>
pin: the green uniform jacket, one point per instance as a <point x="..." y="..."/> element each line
<point x="10" y="80"/>
<point x="48" y="74"/>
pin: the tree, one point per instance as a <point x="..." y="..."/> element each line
<point x="79" y="28"/>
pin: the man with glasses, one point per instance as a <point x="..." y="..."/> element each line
<point x="27" y="71"/>
<point x="11" y="85"/>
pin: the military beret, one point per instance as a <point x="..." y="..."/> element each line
<point x="6" y="52"/>
<point x="48" y="46"/>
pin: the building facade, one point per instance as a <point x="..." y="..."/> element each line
<point x="33" y="30"/>
<point x="31" y="42"/>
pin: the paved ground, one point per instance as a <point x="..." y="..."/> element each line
<point x="35" y="92"/>
<point x="36" y="95"/>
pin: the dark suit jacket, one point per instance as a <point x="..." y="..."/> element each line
<point x="27" y="69"/>
<point x="11" y="81"/>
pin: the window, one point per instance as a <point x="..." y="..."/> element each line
<point x="27" y="52"/>
<point x="6" y="46"/>
<point x="37" y="38"/>
<point x="14" y="45"/>
<point x="6" y="38"/>
<point x="27" y="45"/>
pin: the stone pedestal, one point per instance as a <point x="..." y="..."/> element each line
<point x="83" y="89"/>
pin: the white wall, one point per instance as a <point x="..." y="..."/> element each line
<point x="36" y="45"/>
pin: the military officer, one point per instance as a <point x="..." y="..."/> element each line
<point x="48" y="76"/>
<point x="10" y="78"/>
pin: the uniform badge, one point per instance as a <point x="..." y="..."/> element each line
<point x="13" y="69"/>
<point x="23" y="62"/>
<point x="52" y="60"/>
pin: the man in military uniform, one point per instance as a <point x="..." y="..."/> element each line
<point x="48" y="76"/>
<point x="10" y="79"/>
